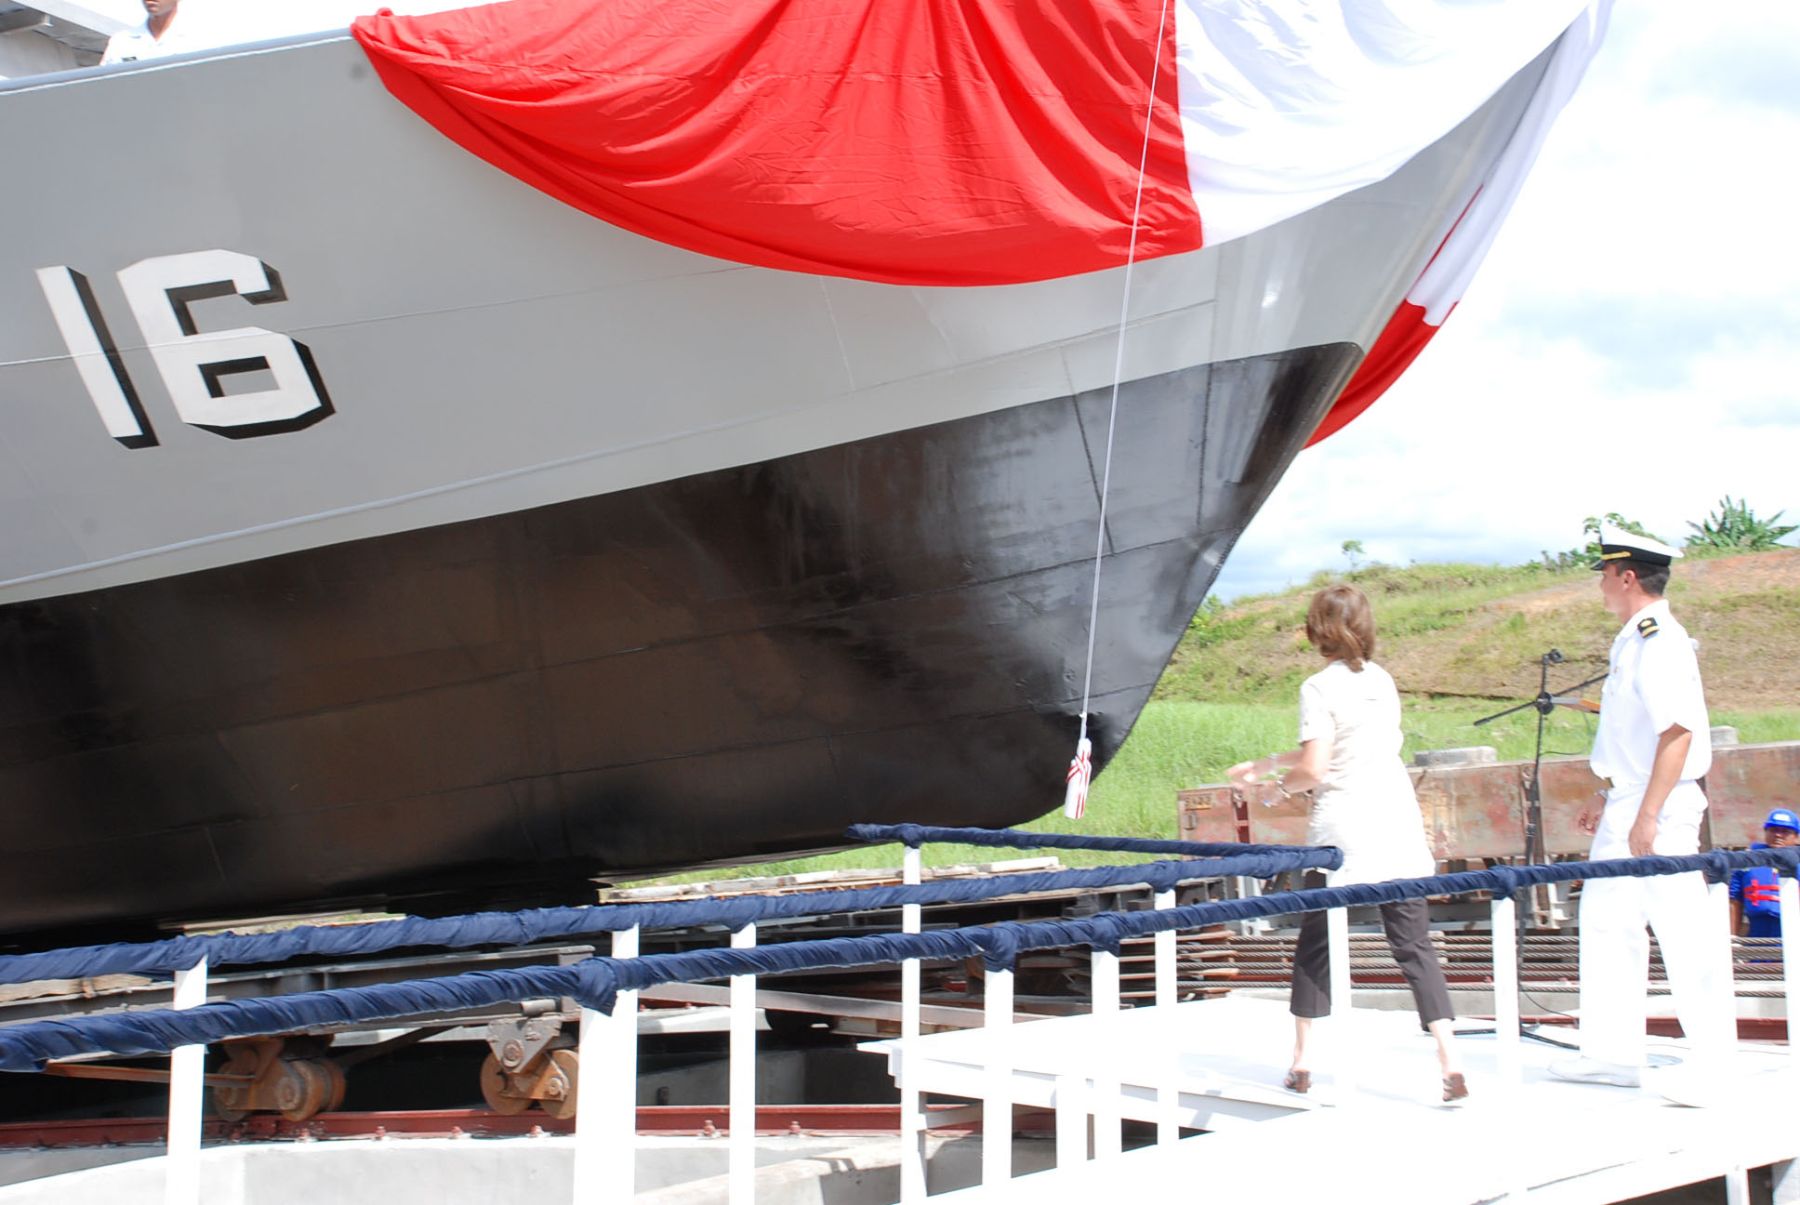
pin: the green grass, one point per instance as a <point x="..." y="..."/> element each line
<point x="1181" y="744"/>
<point x="1178" y="745"/>
<point x="1762" y="727"/>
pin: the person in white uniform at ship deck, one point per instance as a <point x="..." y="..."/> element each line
<point x="163" y="32"/>
<point x="1363" y="803"/>
<point x="1653" y="744"/>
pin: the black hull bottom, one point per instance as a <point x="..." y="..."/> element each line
<point x="716" y="668"/>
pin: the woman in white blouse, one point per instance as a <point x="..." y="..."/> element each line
<point x="1363" y="803"/>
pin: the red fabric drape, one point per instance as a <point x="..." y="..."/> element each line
<point x="931" y="142"/>
<point x="1401" y="341"/>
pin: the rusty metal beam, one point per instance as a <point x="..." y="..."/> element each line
<point x="652" y="1119"/>
<point x="132" y="1075"/>
<point x="948" y="1016"/>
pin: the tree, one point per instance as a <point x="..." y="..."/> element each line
<point x="1591" y="525"/>
<point x="1736" y="526"/>
<point x="1353" y="551"/>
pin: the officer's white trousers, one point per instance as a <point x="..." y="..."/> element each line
<point x="1615" y="950"/>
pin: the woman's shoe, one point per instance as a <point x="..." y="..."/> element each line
<point x="1301" y="1081"/>
<point x="1456" y="1088"/>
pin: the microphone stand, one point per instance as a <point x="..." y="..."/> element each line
<point x="1544" y="703"/>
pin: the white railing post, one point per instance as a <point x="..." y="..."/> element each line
<point x="606" y="1112"/>
<point x="741" y="1171"/>
<point x="1341" y="1048"/>
<point x="187" y="1098"/>
<point x="996" y="1105"/>
<point x="1109" y="1140"/>
<point x="1790" y="954"/>
<point x="1718" y="898"/>
<point x="1071" y="1121"/>
<point x="1168" y="1093"/>
<point x="1503" y="916"/>
<point x="1723" y="1012"/>
<point x="912" y="1101"/>
<point x="1784" y="1181"/>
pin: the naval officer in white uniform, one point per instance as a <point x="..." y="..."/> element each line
<point x="1653" y="745"/>
<point x="180" y="27"/>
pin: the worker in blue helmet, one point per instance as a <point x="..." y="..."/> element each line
<point x="1755" y="890"/>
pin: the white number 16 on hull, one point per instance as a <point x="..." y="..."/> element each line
<point x="194" y="365"/>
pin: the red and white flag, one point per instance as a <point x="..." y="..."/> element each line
<point x="1081" y="772"/>
<point x="1465" y="244"/>
<point x="954" y="142"/>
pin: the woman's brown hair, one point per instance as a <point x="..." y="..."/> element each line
<point x="1341" y="625"/>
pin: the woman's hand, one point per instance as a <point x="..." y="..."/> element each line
<point x="1244" y="773"/>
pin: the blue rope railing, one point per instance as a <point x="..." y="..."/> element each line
<point x="596" y="982"/>
<point x="915" y="835"/>
<point x="544" y="924"/>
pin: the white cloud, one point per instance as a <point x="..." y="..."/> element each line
<point x="1632" y="344"/>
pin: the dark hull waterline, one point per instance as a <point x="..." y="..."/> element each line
<point x="726" y="666"/>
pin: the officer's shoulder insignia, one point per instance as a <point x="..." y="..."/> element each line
<point x="1647" y="627"/>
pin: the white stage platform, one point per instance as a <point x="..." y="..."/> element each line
<point x="1381" y="1133"/>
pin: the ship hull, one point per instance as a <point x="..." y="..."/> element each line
<point x="720" y="667"/>
<point x="594" y="556"/>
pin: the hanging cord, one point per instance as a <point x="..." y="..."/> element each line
<point x="1112" y="418"/>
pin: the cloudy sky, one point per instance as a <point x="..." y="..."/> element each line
<point x="1632" y="343"/>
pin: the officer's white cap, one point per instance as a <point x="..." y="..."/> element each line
<point x="1617" y="544"/>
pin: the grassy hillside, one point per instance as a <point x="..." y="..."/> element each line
<point x="1477" y="631"/>
<point x="1461" y="640"/>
